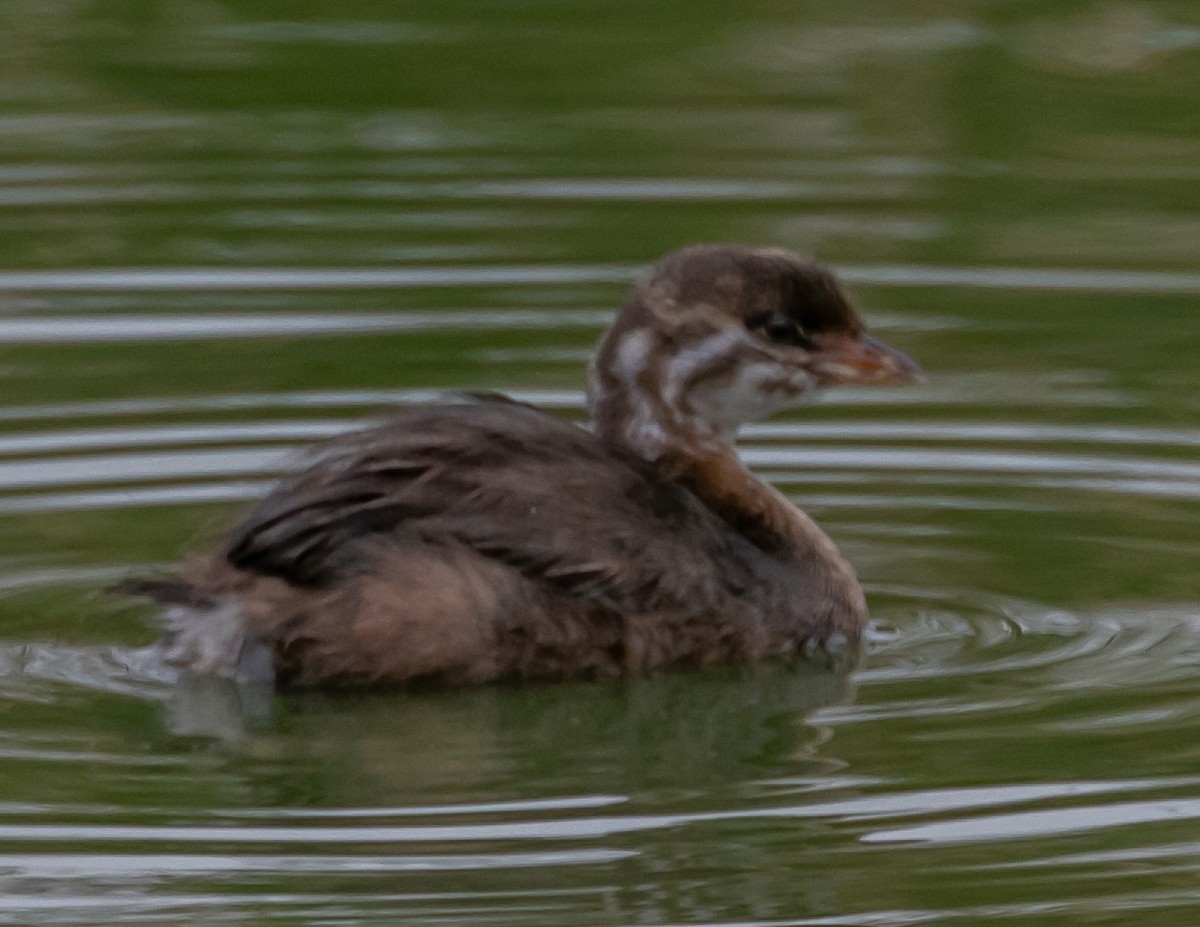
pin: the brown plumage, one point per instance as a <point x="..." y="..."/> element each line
<point x="482" y="540"/>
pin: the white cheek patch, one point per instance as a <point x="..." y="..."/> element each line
<point x="691" y="363"/>
<point x="630" y="358"/>
<point x="643" y="429"/>
<point x="754" y="392"/>
<point x="632" y="355"/>
<point x="704" y="392"/>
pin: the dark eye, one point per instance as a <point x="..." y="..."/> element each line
<point x="783" y="329"/>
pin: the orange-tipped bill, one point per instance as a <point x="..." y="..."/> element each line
<point x="862" y="360"/>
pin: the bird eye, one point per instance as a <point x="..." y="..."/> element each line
<point x="782" y="329"/>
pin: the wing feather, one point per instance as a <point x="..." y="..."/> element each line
<point x="516" y="485"/>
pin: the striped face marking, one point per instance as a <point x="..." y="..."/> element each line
<point x="635" y="372"/>
<point x="699" y="394"/>
<point x="728" y="379"/>
<point x="633" y="356"/>
<point x="753" y="391"/>
<point x="714" y="337"/>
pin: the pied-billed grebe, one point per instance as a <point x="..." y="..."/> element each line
<point x="483" y="540"/>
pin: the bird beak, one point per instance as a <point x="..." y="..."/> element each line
<point x="862" y="360"/>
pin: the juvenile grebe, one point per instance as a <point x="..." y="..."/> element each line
<point x="482" y="540"/>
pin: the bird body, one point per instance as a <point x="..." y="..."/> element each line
<point x="481" y="540"/>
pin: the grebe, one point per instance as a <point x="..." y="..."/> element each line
<point x="482" y="540"/>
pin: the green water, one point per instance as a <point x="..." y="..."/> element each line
<point x="230" y="228"/>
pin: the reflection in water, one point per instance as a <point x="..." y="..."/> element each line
<point x="678" y="731"/>
<point x="436" y="768"/>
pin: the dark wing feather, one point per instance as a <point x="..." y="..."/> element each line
<point x="516" y="485"/>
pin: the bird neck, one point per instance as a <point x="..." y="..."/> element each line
<point x="756" y="510"/>
<point x="706" y="463"/>
<point x="637" y="417"/>
<point x="629" y="400"/>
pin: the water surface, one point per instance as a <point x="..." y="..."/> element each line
<point x="229" y="231"/>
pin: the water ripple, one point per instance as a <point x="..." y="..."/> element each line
<point x="1043" y="823"/>
<point x="67" y="329"/>
<point x="862" y="809"/>
<point x="970" y="633"/>
<point x="198" y="279"/>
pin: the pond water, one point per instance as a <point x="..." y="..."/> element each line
<point x="232" y="228"/>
